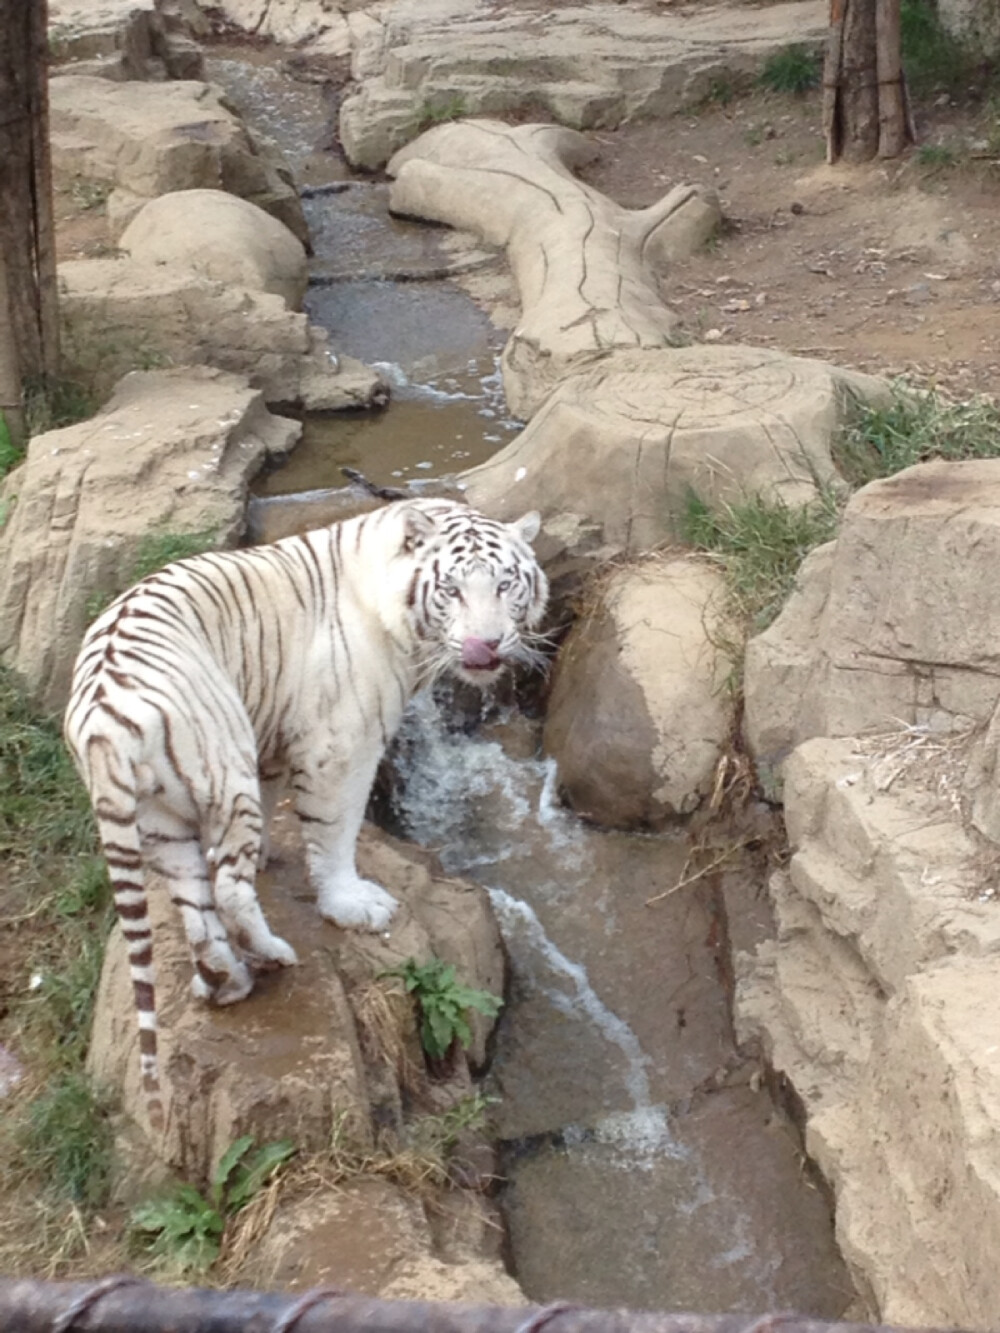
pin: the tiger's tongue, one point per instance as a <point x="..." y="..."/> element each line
<point x="478" y="653"/>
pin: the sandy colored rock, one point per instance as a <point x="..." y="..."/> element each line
<point x="317" y="25"/>
<point x="586" y="65"/>
<point x="638" y="712"/>
<point x="127" y="39"/>
<point x="873" y="1002"/>
<point x="222" y="237"/>
<point x="172" y="451"/>
<point x="586" y="269"/>
<point x="152" y="139"/>
<point x="623" y="443"/>
<point x="288" y="1061"/>
<point x="895" y="625"/>
<point x="117" y="313"/>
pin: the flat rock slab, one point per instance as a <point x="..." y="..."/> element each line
<point x="150" y="139"/>
<point x="623" y="443"/>
<point x="117" y="314"/>
<point x="173" y="452"/>
<point x="587" y="65"/>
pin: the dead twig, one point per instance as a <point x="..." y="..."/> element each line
<point x="687" y="879"/>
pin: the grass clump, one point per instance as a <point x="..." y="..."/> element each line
<point x="51" y="402"/>
<point x="760" y="544"/>
<point x="10" y="455"/>
<point x="914" y="428"/>
<point x="793" y="69"/>
<point x="184" y="1229"/>
<point x="439" y="110"/>
<point x="54" y="1140"/>
<point x="443" y="1004"/>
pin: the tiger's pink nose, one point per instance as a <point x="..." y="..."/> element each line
<point x="480" y="654"/>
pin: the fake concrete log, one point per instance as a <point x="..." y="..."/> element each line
<point x="586" y="268"/>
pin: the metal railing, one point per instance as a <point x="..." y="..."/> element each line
<point x="131" y="1305"/>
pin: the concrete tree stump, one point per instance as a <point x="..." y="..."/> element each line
<point x="586" y="268"/>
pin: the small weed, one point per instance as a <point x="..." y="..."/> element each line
<point x="437" y="111"/>
<point x="438" y="1134"/>
<point x="184" y="1229"/>
<point x="721" y="90"/>
<point x="9" y="455"/>
<point x="754" y="136"/>
<point x="443" y="1003"/>
<point x="784" y="157"/>
<point x="913" y="429"/>
<point x="88" y="194"/>
<point x="760" y="544"/>
<point x="793" y="69"/>
<point x="936" y="155"/>
<point x="50" y="403"/>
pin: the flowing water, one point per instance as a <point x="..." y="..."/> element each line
<point x="644" y="1166"/>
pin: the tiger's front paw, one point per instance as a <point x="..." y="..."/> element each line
<point x="359" y="905"/>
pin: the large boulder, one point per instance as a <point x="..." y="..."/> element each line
<point x="621" y="445"/>
<point x="127" y="39"/>
<point x="149" y="139"/>
<point x="894" y="623"/>
<point x="585" y="66"/>
<point x="318" y="26"/>
<point x="220" y="236"/>
<point x="172" y="452"/>
<point x="639" y="712"/>
<point x="875" y="1003"/>
<point x="119" y="314"/>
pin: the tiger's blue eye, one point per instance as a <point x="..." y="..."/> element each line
<point x="503" y="587"/>
<point x="452" y="591"/>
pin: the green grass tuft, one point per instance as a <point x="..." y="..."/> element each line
<point x="67" y="1138"/>
<point x="10" y="456"/>
<point x="913" y="429"/>
<point x="760" y="544"/>
<point x="793" y="69"/>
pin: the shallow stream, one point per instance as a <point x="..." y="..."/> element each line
<point x="644" y="1164"/>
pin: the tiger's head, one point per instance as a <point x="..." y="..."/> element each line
<point x="477" y="593"/>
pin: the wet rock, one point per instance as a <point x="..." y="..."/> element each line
<point x="173" y="451"/>
<point x="625" y="442"/>
<point x="291" y="1060"/>
<point x="873" y="1003"/>
<point x="116" y="313"/>
<point x="893" y="624"/>
<point x="586" y="269"/>
<point x="153" y="139"/>
<point x="222" y="237"/>
<point x="412" y="59"/>
<point x="638" y="714"/>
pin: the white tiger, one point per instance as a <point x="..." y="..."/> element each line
<point x="206" y="688"/>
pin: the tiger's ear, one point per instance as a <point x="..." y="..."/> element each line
<point x="528" y="526"/>
<point x="417" y="529"/>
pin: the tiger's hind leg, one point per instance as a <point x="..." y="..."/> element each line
<point x="235" y="856"/>
<point x="174" y="851"/>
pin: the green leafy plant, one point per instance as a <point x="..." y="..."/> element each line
<point x="184" y="1228"/>
<point x="443" y="1003"/>
<point x="793" y="69"/>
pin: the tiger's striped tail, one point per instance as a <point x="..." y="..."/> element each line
<point x="119" y="833"/>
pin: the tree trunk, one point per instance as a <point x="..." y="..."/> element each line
<point x="864" y="94"/>
<point x="10" y="371"/>
<point x="29" y="323"/>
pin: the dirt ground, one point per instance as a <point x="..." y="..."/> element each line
<point x="891" y="267"/>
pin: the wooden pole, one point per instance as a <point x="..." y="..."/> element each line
<point x="893" y="122"/>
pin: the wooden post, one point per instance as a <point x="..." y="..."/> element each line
<point x="26" y="224"/>
<point x="864" y="93"/>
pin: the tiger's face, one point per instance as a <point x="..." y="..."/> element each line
<point x="477" y="595"/>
